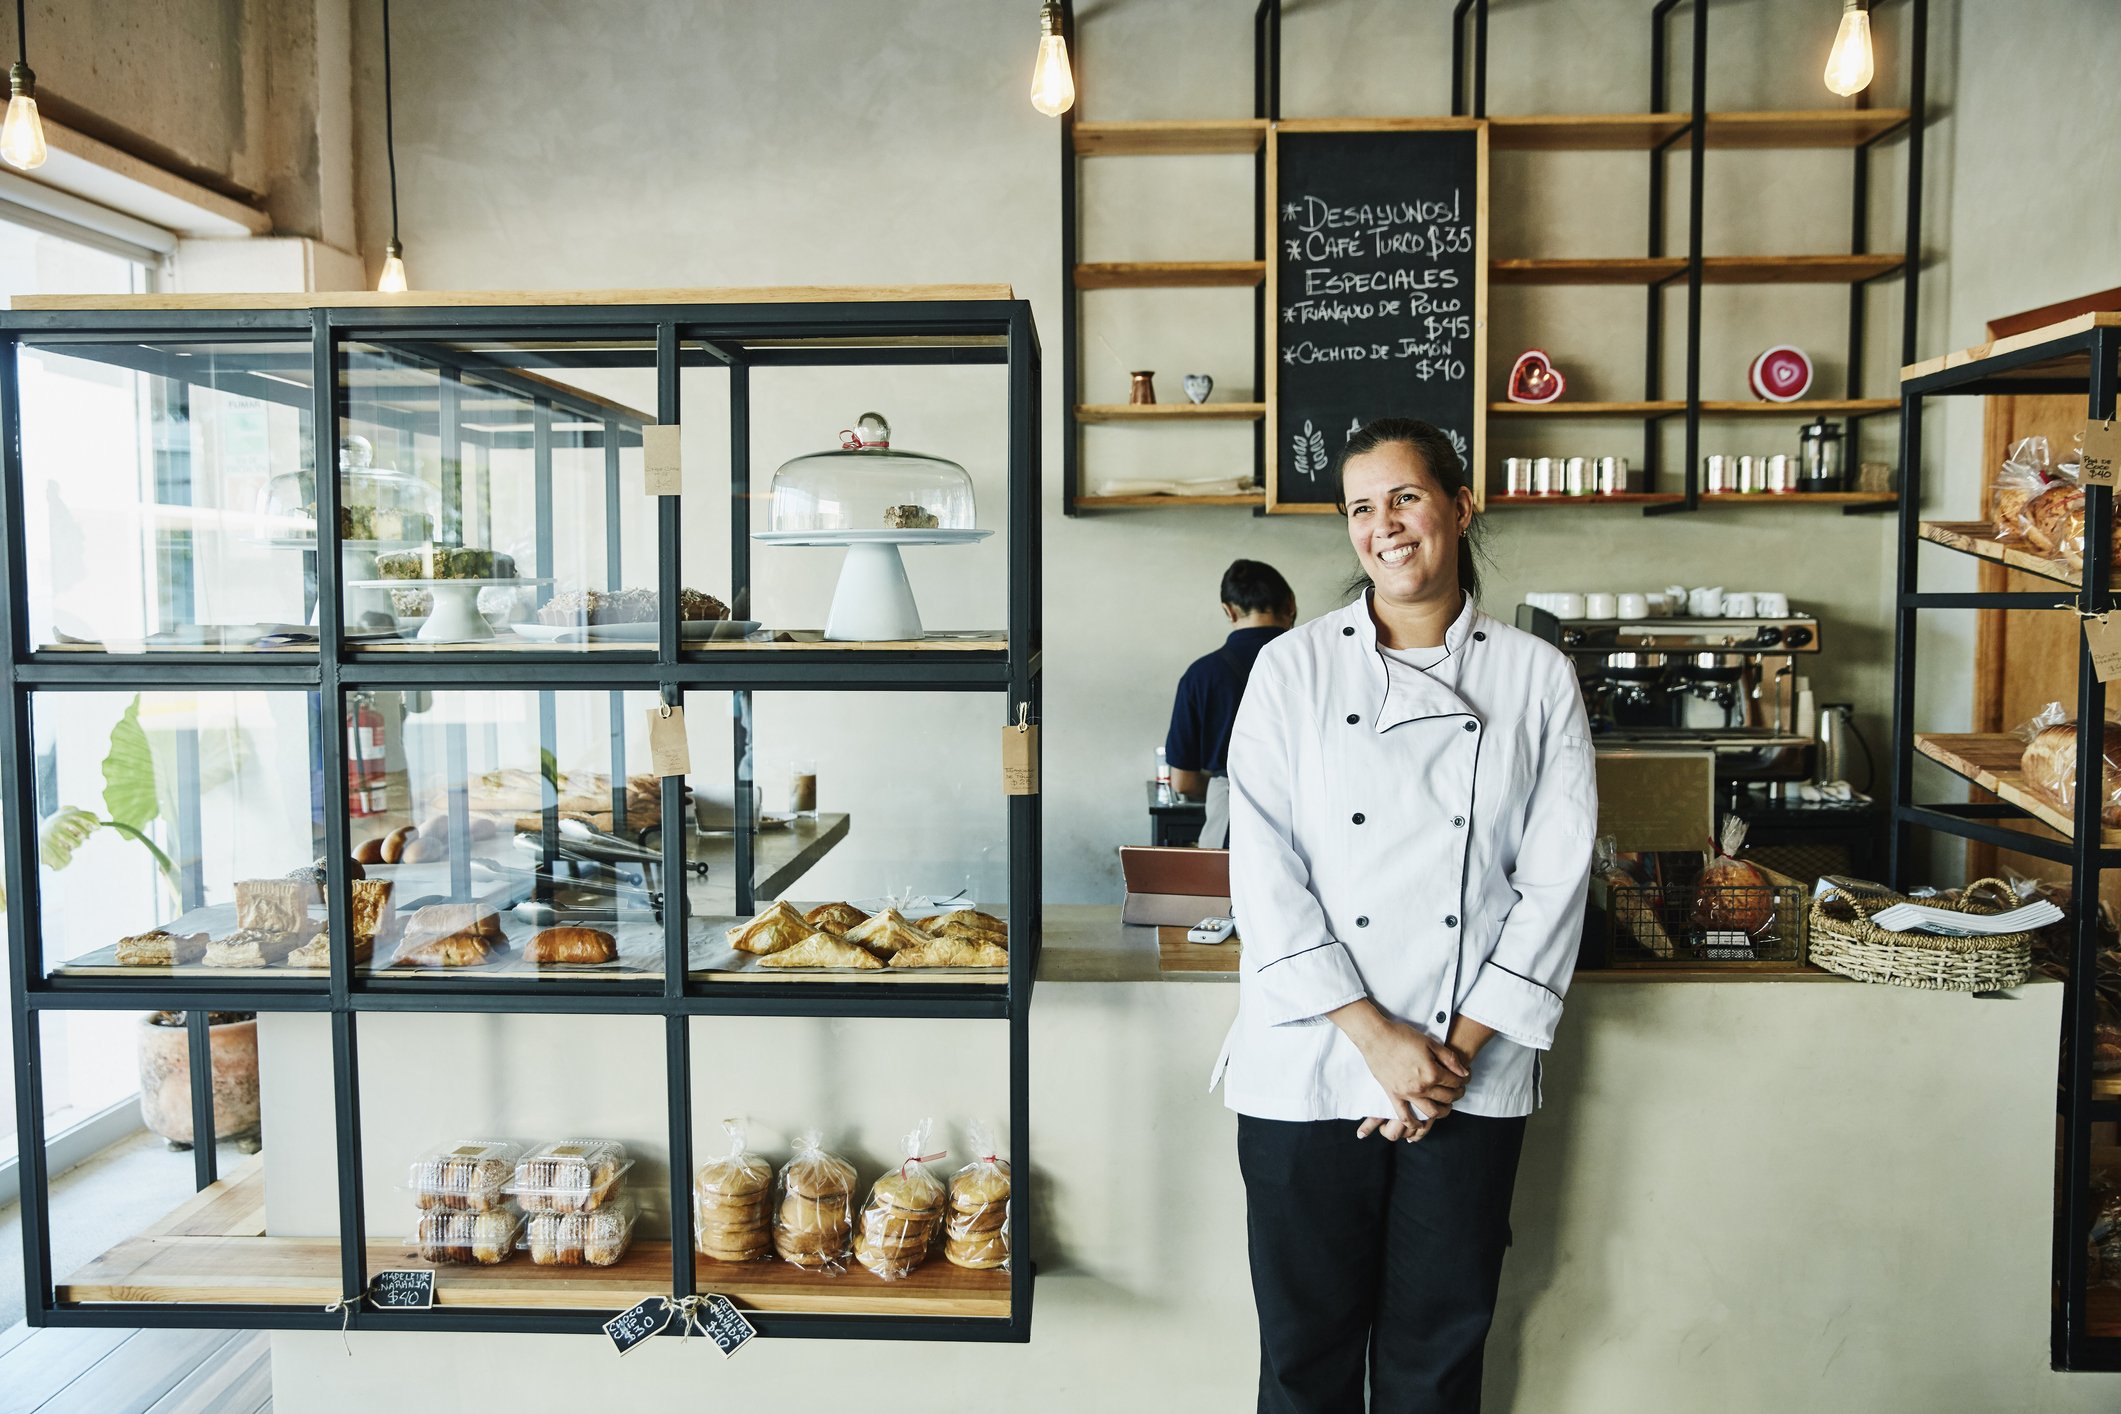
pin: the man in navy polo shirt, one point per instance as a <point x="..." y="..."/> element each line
<point x="1260" y="607"/>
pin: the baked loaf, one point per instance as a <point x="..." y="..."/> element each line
<point x="316" y="953"/>
<point x="570" y="1176"/>
<point x="814" y="1219"/>
<point x="823" y="950"/>
<point x="471" y="1176"/>
<point x="835" y="918"/>
<point x="274" y="905"/>
<point x="445" y="562"/>
<point x="372" y="914"/>
<point x="2050" y="767"/>
<point x="780" y="926"/>
<point x="595" y="1239"/>
<point x="887" y="932"/>
<point x="487" y="1238"/>
<point x="2054" y="522"/>
<point x="156" y="948"/>
<point x="585" y="945"/>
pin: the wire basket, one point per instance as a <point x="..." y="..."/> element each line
<point x="1684" y="922"/>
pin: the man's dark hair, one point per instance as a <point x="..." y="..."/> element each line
<point x="1257" y="588"/>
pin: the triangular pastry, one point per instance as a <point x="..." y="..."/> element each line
<point x="887" y="932"/>
<point x="951" y="952"/>
<point x="837" y="918"/>
<point x="780" y="926"/>
<point x="971" y="925"/>
<point x="822" y="950"/>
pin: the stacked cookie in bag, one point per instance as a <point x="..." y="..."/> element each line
<point x="732" y="1204"/>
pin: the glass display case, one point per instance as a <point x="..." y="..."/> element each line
<point x="410" y="806"/>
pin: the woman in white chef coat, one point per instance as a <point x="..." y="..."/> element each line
<point x="1412" y="803"/>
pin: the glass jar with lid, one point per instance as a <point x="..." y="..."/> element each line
<point x="380" y="509"/>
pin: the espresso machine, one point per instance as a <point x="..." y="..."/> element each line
<point x="1725" y="686"/>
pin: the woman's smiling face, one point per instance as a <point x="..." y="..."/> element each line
<point x="1403" y="526"/>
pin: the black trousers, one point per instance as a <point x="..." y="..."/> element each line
<point x="1369" y="1255"/>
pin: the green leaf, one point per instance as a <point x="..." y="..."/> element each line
<point x="129" y="773"/>
<point x="66" y="831"/>
<point x="549" y="767"/>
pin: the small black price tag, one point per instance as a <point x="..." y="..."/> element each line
<point x="724" y="1324"/>
<point x="637" y="1323"/>
<point x="402" y="1290"/>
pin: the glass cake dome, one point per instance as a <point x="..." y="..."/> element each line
<point x="868" y="485"/>
<point x="376" y="505"/>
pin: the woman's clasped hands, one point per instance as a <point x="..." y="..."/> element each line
<point x="1423" y="1077"/>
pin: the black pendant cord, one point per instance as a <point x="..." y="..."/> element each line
<point x="390" y="134"/>
<point x="22" y="32"/>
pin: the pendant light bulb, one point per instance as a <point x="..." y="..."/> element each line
<point x="393" y="281"/>
<point x="22" y="132"/>
<point x="1052" y="81"/>
<point x="1850" y="67"/>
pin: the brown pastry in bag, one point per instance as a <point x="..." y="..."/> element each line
<point x="450" y="935"/>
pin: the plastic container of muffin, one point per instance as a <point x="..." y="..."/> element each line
<point x="471" y="1175"/>
<point x="570" y="1176"/>
<point x="451" y="1237"/>
<point x="592" y="1239"/>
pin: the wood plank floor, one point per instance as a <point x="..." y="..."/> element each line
<point x="84" y="1371"/>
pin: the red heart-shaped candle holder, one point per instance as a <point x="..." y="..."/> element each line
<point x="1780" y="375"/>
<point x="1535" y="379"/>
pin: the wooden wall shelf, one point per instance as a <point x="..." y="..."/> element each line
<point x="1715" y="270"/>
<point x="1641" y="132"/>
<point x="1170" y="412"/>
<point x="1990" y="760"/>
<point x="1803" y="407"/>
<point x="1170" y="274"/>
<point x="1548" y="503"/>
<point x="1663" y="408"/>
<point x="1800" y="498"/>
<point x="1169" y="503"/>
<point x="1166" y="138"/>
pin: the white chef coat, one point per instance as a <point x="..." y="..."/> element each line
<point x="1422" y="838"/>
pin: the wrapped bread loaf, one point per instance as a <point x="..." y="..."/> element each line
<point x="2050" y="767"/>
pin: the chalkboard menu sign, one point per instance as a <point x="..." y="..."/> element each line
<point x="1376" y="291"/>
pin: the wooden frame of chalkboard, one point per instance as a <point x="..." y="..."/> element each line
<point x="1386" y="293"/>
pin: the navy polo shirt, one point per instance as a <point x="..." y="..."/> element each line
<point x="1205" y="710"/>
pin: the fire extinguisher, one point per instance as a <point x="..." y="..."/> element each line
<point x="364" y="757"/>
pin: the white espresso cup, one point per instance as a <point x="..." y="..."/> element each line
<point x="1600" y="606"/>
<point x="1705" y="603"/>
<point x="1633" y="606"/>
<point x="1771" y="605"/>
<point x="1568" y="605"/>
<point x="1737" y="605"/>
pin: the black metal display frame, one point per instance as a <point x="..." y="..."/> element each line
<point x="2088" y="363"/>
<point x="811" y="329"/>
<point x="1469" y="98"/>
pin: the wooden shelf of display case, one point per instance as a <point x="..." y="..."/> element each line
<point x="1642" y="132"/>
<point x="1620" y="498"/>
<point x="2075" y="363"/>
<point x="1715" y="270"/>
<point x="1659" y="408"/>
<point x="1990" y="760"/>
<point x="1159" y="413"/>
<point x="1170" y="274"/>
<point x="304" y="1271"/>
<point x="1169" y="138"/>
<point x="1978" y="538"/>
<point x="499" y="299"/>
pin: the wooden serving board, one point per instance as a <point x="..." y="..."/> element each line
<point x="304" y="1271"/>
<point x="1175" y="954"/>
<point x="1990" y="760"/>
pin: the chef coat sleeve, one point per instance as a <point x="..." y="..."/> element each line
<point x="1518" y="989"/>
<point x="1294" y="969"/>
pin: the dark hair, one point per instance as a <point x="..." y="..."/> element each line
<point x="1446" y="468"/>
<point x="1257" y="588"/>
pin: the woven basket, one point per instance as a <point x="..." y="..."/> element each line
<point x="1844" y="940"/>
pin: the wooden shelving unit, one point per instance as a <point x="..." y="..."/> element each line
<point x="1616" y="270"/>
<point x="1803" y="407"/>
<point x="1546" y="503"/>
<point x="1801" y="498"/>
<point x="1170" y="274"/>
<point x="1715" y="270"/>
<point x="1173" y="503"/>
<point x="1170" y="412"/>
<point x="1991" y="761"/>
<point x="1663" y="408"/>
<point x="1645" y="132"/>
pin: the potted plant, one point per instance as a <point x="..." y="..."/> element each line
<point x="165" y="1076"/>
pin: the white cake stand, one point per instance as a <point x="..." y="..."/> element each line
<point x="455" y="617"/>
<point x="357" y="566"/>
<point x="874" y="602"/>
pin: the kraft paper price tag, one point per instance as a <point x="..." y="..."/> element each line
<point x="667" y="747"/>
<point x="402" y="1290"/>
<point x="662" y="471"/>
<point x="1020" y="755"/>
<point x="2102" y="443"/>
<point x="2104" y="639"/>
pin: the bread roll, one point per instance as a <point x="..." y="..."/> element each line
<point x="586" y="945"/>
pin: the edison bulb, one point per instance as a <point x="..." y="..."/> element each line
<point x="22" y="133"/>
<point x="393" y="281"/>
<point x="1052" y="85"/>
<point x="1849" y="68"/>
